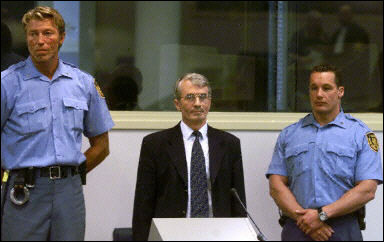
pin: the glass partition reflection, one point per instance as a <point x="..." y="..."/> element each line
<point x="257" y="54"/>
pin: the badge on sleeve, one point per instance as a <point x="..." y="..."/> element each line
<point x="98" y="89"/>
<point x="372" y="141"/>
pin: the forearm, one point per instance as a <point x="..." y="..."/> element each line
<point x="283" y="197"/>
<point x="98" y="151"/>
<point x="352" y="200"/>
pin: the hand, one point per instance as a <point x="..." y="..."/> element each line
<point x="308" y="220"/>
<point x="323" y="233"/>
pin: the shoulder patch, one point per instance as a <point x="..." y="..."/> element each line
<point x="98" y="88"/>
<point x="372" y="141"/>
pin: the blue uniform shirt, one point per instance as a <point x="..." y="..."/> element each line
<point x="323" y="163"/>
<point x="42" y="120"/>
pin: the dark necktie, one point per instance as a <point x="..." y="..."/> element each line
<point x="199" y="183"/>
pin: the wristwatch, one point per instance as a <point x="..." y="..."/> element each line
<point x="322" y="215"/>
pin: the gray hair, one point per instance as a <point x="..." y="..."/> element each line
<point x="196" y="79"/>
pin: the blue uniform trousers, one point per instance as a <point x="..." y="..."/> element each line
<point x="55" y="211"/>
<point x="346" y="229"/>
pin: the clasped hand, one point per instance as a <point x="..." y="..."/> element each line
<point x="308" y="221"/>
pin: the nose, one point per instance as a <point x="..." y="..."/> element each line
<point x="40" y="39"/>
<point x="197" y="101"/>
<point x="319" y="93"/>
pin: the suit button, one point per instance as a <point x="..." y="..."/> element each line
<point x="183" y="212"/>
<point x="186" y="190"/>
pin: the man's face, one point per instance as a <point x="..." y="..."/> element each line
<point x="324" y="94"/>
<point x="194" y="110"/>
<point x="43" y="40"/>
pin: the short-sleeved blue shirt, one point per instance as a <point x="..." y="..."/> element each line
<point x="42" y="120"/>
<point x="323" y="163"/>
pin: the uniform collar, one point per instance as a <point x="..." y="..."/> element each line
<point x="31" y="71"/>
<point x="339" y="120"/>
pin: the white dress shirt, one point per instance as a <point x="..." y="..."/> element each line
<point x="189" y="138"/>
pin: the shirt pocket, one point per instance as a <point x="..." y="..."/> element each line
<point x="296" y="160"/>
<point x="343" y="158"/>
<point x="74" y="113"/>
<point x="32" y="117"/>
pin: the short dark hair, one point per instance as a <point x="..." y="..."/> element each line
<point x="329" y="68"/>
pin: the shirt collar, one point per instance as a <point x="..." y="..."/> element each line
<point x="187" y="131"/>
<point x="339" y="120"/>
<point x="31" y="71"/>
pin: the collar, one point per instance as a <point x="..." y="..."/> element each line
<point x="187" y="131"/>
<point x="31" y="71"/>
<point x="338" y="121"/>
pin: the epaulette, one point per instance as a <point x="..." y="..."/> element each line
<point x="12" y="68"/>
<point x="76" y="67"/>
<point x="361" y="123"/>
<point x="350" y="117"/>
<point x="70" y="64"/>
<point x="294" y="124"/>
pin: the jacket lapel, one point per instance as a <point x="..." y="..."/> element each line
<point x="176" y="151"/>
<point x="216" y="152"/>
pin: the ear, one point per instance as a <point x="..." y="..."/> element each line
<point x="340" y="92"/>
<point x="177" y="104"/>
<point x="62" y="37"/>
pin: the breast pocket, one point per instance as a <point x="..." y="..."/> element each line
<point x="32" y="116"/>
<point x="343" y="158"/>
<point x="74" y="113"/>
<point x="296" y="159"/>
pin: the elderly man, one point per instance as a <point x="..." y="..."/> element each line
<point x="190" y="169"/>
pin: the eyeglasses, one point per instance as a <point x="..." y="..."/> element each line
<point x="191" y="97"/>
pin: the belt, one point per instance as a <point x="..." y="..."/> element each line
<point x="53" y="172"/>
<point x="58" y="172"/>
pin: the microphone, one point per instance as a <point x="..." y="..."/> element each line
<point x="260" y="235"/>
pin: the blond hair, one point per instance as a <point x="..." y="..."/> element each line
<point x="44" y="12"/>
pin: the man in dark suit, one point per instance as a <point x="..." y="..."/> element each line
<point x="188" y="170"/>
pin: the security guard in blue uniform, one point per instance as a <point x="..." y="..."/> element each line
<point x="46" y="107"/>
<point x="325" y="167"/>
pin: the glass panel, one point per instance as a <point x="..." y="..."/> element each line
<point x="11" y="15"/>
<point x="257" y="54"/>
<point x="348" y="35"/>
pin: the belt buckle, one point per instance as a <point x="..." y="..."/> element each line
<point x="55" y="169"/>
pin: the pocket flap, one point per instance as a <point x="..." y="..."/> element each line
<point x="340" y="150"/>
<point x="30" y="107"/>
<point x="77" y="104"/>
<point x="294" y="151"/>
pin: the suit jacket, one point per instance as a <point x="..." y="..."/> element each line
<point x="162" y="179"/>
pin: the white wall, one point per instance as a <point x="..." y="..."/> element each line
<point x="110" y="191"/>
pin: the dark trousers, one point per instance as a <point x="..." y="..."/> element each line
<point x="346" y="229"/>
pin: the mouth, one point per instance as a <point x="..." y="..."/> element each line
<point x="198" y="112"/>
<point x="320" y="103"/>
<point x="41" y="51"/>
